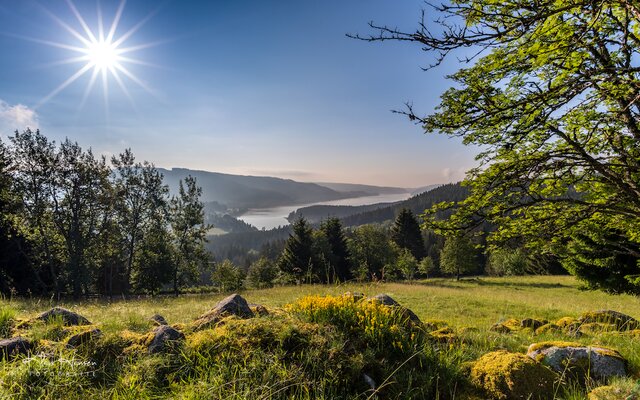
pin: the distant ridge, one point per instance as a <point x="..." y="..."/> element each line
<point x="246" y="191"/>
<point x="381" y="212"/>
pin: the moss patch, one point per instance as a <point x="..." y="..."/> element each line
<point x="505" y="376"/>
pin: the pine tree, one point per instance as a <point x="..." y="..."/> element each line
<point x="405" y="232"/>
<point x="297" y="259"/>
<point x="339" y="257"/>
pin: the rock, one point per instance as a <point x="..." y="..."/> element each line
<point x="259" y="309"/>
<point x="386" y="300"/>
<point x="369" y="381"/>
<point x="622" y="321"/>
<point x="503" y="375"/>
<point x="614" y="392"/>
<point x="597" y="327"/>
<point x="83" y="337"/>
<point x="356" y="295"/>
<point x="68" y="317"/>
<point x="444" y="335"/>
<point x="579" y="361"/>
<point x="500" y="328"/>
<point x="163" y="335"/>
<point x="158" y="320"/>
<point x="531" y="323"/>
<point x="10" y="348"/>
<point x="566" y="321"/>
<point x="232" y="305"/>
<point x="548" y="328"/>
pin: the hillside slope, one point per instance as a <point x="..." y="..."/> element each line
<point x="239" y="191"/>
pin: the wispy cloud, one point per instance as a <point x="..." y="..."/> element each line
<point x="17" y="116"/>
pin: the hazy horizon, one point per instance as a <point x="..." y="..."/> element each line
<point x="243" y="87"/>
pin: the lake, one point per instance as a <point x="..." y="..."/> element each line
<point x="269" y="218"/>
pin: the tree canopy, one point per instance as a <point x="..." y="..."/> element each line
<point x="549" y="91"/>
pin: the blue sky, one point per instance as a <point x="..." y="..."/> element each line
<point x="246" y="87"/>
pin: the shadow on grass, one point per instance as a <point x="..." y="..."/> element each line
<point x="464" y="283"/>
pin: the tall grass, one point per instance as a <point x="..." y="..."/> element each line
<point x="7" y="318"/>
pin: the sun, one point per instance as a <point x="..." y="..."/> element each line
<point x="100" y="52"/>
<point x="103" y="55"/>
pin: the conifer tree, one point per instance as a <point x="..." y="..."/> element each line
<point x="297" y="259"/>
<point x="405" y="232"/>
<point x="339" y="257"/>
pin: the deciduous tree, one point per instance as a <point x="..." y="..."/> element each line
<point x="549" y="94"/>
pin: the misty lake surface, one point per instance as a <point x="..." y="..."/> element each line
<point x="269" y="218"/>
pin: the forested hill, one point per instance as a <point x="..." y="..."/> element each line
<point x="417" y="204"/>
<point x="239" y="191"/>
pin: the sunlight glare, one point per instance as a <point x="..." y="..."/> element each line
<point x="102" y="55"/>
<point x="99" y="52"/>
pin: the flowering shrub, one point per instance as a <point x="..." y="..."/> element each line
<point x="380" y="326"/>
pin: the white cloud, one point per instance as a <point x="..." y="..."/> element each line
<point x="17" y="116"/>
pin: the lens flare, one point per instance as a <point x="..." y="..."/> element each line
<point x="100" y="52"/>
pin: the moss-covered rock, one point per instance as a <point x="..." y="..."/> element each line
<point x="616" y="391"/>
<point x="622" y="321"/>
<point x="506" y="376"/>
<point x="598" y="327"/>
<point x="532" y="323"/>
<point x="548" y="328"/>
<point x="500" y="328"/>
<point x="444" y="335"/>
<point x="566" y="321"/>
<point x="578" y="361"/>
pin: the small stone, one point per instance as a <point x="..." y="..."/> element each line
<point x="390" y="302"/>
<point x="68" y="317"/>
<point x="158" y="320"/>
<point x="531" y="323"/>
<point x="10" y="348"/>
<point x="500" y="328"/>
<point x="356" y="295"/>
<point x="83" y="337"/>
<point x="163" y="336"/>
<point x="369" y="381"/>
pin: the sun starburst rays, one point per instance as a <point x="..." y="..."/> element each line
<point x="101" y="52"/>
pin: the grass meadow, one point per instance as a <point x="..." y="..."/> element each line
<point x="301" y="352"/>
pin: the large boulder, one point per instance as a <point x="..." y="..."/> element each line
<point x="232" y="305"/>
<point x="9" y="348"/>
<point x="579" y="361"/>
<point x="510" y="376"/>
<point x="68" y="317"/>
<point x="622" y="322"/>
<point x="387" y="300"/>
<point x="163" y="337"/>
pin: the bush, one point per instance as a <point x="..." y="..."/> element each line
<point x="507" y="262"/>
<point x="227" y="276"/>
<point x="262" y="273"/>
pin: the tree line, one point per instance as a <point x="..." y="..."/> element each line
<point x="331" y="253"/>
<point x="73" y="223"/>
